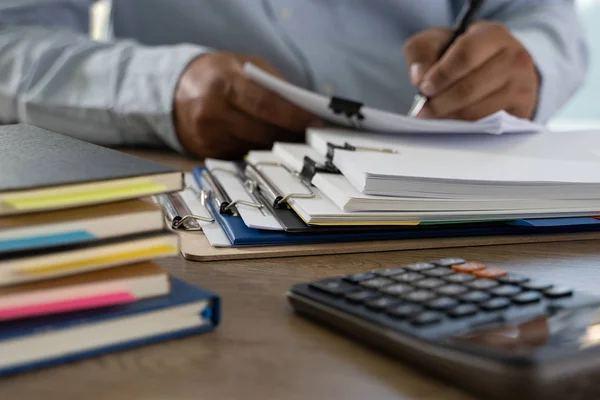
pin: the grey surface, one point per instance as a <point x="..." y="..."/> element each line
<point x="31" y="157"/>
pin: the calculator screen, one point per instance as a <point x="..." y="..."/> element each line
<point x="573" y="329"/>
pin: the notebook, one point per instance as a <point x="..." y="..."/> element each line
<point x="43" y="170"/>
<point x="45" y="341"/>
<point x="78" y="225"/>
<point x="114" y="286"/>
<point x="28" y="266"/>
<point x="350" y="112"/>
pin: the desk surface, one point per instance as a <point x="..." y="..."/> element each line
<point x="263" y="351"/>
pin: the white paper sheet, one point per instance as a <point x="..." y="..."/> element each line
<point x="383" y="121"/>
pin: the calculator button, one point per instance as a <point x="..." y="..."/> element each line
<point x="362" y="296"/>
<point x="451" y="290"/>
<point x="399" y="289"/>
<point x="377" y="283"/>
<point x="382" y="303"/>
<point x="490" y="273"/>
<point x="506" y="290"/>
<point x="427" y="318"/>
<point x="408" y="277"/>
<point x="558" y="291"/>
<point x="482" y="284"/>
<point x="420" y="296"/>
<point x="357" y="278"/>
<point x="496" y="303"/>
<point x="513" y="279"/>
<point x="429" y="283"/>
<point x="438" y="272"/>
<point x="527" y="297"/>
<point x="476" y="296"/>
<point x="442" y="303"/>
<point x="390" y="271"/>
<point x="448" y="262"/>
<point x="463" y="310"/>
<point x="459" y="278"/>
<point x="536" y="285"/>
<point x="405" y="310"/>
<point x="334" y="286"/>
<point x="418" y="267"/>
<point x="468" y="267"/>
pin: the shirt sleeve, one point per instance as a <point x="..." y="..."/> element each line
<point x="54" y="76"/>
<point x="552" y="33"/>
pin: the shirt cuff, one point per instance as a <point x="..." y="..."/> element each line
<point x="148" y="104"/>
<point x="541" y="50"/>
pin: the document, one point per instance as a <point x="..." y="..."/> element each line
<point x="363" y="117"/>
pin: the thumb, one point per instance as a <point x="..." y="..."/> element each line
<point x="422" y="50"/>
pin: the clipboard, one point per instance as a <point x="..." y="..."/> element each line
<point x="195" y="247"/>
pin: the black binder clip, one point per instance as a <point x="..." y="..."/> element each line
<point x="332" y="147"/>
<point x="311" y="167"/>
<point x="350" y="109"/>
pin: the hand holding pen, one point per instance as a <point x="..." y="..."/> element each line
<point x="471" y="71"/>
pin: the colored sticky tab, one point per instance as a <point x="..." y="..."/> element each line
<point x="556" y="222"/>
<point x="63" y="306"/>
<point x="36" y="242"/>
<point x="72" y="198"/>
<point x="91" y="262"/>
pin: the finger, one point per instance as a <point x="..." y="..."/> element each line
<point x="473" y="88"/>
<point x="267" y="106"/>
<point x="471" y="50"/>
<point x="496" y="101"/>
<point x="422" y="50"/>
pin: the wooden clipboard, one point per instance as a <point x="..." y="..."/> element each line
<point x="195" y="247"/>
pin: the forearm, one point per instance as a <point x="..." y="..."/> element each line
<point x="551" y="32"/>
<point x="107" y="93"/>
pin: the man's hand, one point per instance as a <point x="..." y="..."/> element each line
<point x="484" y="71"/>
<point x="220" y="113"/>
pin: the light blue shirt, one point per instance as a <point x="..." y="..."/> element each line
<point x="121" y="92"/>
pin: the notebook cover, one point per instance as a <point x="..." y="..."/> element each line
<point x="182" y="293"/>
<point x="32" y="157"/>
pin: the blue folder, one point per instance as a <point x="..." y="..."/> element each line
<point x="240" y="235"/>
<point x="182" y="294"/>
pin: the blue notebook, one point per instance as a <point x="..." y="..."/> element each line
<point x="241" y="235"/>
<point x="40" y="342"/>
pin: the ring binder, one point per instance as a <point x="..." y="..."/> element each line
<point x="224" y="202"/>
<point x="269" y="190"/>
<point x="178" y="214"/>
<point x="349" y="108"/>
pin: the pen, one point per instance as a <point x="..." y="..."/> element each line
<point x="465" y="18"/>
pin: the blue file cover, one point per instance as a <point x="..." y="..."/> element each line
<point x="182" y="294"/>
<point x="241" y="235"/>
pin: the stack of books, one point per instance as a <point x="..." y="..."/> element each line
<point x="78" y="237"/>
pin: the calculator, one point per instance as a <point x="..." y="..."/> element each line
<point x="497" y="334"/>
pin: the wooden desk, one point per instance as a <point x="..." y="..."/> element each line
<point x="263" y="351"/>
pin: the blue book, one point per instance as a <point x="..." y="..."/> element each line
<point x="40" y="342"/>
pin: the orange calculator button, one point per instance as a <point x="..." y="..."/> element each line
<point x="468" y="267"/>
<point x="490" y="273"/>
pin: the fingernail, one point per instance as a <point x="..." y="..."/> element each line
<point x="416" y="73"/>
<point x="427" y="88"/>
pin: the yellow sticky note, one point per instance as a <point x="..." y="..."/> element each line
<point x="73" y="198"/>
<point x="86" y="263"/>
